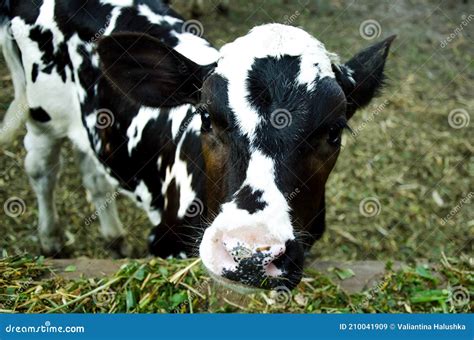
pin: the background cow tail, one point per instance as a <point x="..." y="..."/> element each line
<point x="17" y="112"/>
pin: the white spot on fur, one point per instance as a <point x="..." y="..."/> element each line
<point x="176" y="117"/>
<point x="146" y="198"/>
<point x="273" y="223"/>
<point x="46" y="21"/>
<point x="183" y="180"/>
<point x="191" y="46"/>
<point x="121" y="3"/>
<point x="155" y="18"/>
<point x="135" y="130"/>
<point x="112" y="20"/>
<point x="196" y="48"/>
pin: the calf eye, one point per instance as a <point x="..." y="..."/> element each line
<point x="205" y="122"/>
<point x="335" y="132"/>
<point x="334" y="136"/>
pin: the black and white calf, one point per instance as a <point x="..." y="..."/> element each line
<point x="227" y="151"/>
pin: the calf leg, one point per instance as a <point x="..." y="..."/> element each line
<point x="42" y="165"/>
<point x="103" y="197"/>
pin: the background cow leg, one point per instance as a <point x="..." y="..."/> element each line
<point x="103" y="197"/>
<point x="42" y="165"/>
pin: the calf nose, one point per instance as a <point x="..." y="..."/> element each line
<point x="254" y="254"/>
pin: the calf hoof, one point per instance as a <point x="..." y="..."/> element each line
<point x="62" y="253"/>
<point x="119" y="248"/>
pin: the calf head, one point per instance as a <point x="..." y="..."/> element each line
<point x="273" y="109"/>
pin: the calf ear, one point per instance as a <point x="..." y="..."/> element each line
<point x="149" y="72"/>
<point x="362" y="77"/>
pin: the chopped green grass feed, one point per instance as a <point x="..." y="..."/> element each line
<point x="28" y="285"/>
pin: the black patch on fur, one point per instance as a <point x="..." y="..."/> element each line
<point x="271" y="83"/>
<point x="215" y="97"/>
<point x="27" y="10"/>
<point x="34" y="72"/>
<point x="39" y="115"/>
<point x="59" y="60"/>
<point x="249" y="200"/>
<point x="88" y="19"/>
<point x="44" y="39"/>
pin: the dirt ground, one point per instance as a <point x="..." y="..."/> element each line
<point x="410" y="156"/>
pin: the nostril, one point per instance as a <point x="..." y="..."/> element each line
<point x="272" y="254"/>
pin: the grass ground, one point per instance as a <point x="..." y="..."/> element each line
<point x="407" y="156"/>
<point x="177" y="286"/>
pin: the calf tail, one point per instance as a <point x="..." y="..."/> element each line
<point x="17" y="112"/>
